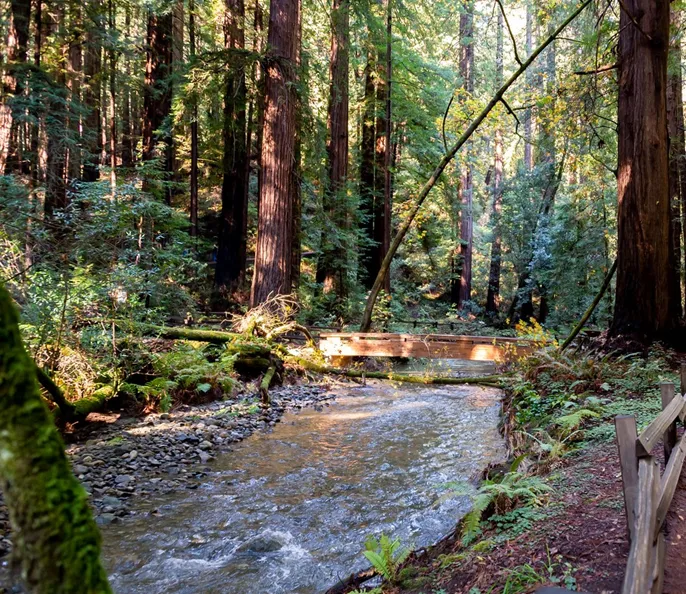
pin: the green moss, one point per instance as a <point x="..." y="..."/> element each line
<point x="55" y="538"/>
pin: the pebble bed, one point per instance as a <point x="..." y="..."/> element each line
<point x="136" y="458"/>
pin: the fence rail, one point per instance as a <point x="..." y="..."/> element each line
<point x="647" y="495"/>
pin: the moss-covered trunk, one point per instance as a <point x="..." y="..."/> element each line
<point x="56" y="540"/>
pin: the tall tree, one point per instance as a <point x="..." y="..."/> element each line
<point x="383" y="149"/>
<point x="274" y="228"/>
<point x="231" y="253"/>
<point x="332" y="264"/>
<point x="493" y="295"/>
<point x="645" y="303"/>
<point x="369" y="265"/>
<point x="157" y="93"/>
<point x="13" y="78"/>
<point x="92" y="67"/>
<point x="194" y="126"/>
<point x="462" y="277"/>
<point x="677" y="167"/>
<point x="528" y="113"/>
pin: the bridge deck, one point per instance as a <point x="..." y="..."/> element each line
<point x="435" y="346"/>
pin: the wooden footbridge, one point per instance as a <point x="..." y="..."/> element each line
<point x="434" y="346"/>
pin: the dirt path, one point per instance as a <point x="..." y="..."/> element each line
<point x="675" y="561"/>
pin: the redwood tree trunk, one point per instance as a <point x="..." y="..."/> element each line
<point x="92" y="66"/>
<point x="333" y="264"/>
<point x="493" y="296"/>
<point x="383" y="155"/>
<point x="274" y="234"/>
<point x="194" y="128"/>
<point x="675" y="119"/>
<point x="368" y="266"/>
<point x="13" y="79"/>
<point x="645" y="303"/>
<point x="157" y="92"/>
<point x="462" y="286"/>
<point x="233" y="232"/>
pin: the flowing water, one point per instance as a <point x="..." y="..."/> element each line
<point x="289" y="511"/>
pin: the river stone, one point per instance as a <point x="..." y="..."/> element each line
<point x="80" y="469"/>
<point x="204" y="457"/>
<point x="205" y="445"/>
<point x="123" y="479"/>
<point x="261" y="544"/>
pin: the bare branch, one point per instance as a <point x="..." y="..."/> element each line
<point x="606" y="68"/>
<point x="509" y="30"/>
<point x="511" y="112"/>
<point x="445" y="116"/>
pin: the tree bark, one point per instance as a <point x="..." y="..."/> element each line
<point x="194" y="127"/>
<point x="677" y="169"/>
<point x="157" y="94"/>
<point x="528" y="113"/>
<point x="645" y="303"/>
<point x="274" y="228"/>
<point x="493" y="295"/>
<point x="56" y="540"/>
<point x="333" y="260"/>
<point x="368" y="266"/>
<point x="383" y="152"/>
<point x="231" y="253"/>
<point x="462" y="276"/>
<point x="13" y="80"/>
<point x="92" y="66"/>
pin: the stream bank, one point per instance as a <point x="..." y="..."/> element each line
<point x="121" y="459"/>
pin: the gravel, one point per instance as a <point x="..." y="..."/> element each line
<point x="136" y="458"/>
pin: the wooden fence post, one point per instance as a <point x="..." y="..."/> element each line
<point x="667" y="392"/>
<point x="625" y="426"/>
<point x="682" y="375"/>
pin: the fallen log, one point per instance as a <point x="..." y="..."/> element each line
<point x="95" y="402"/>
<point x="493" y="381"/>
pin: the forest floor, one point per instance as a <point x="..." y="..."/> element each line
<point x="121" y="458"/>
<point x="577" y="539"/>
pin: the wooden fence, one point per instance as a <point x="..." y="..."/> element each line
<point x="647" y="495"/>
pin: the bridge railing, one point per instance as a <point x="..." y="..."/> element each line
<point x="648" y="494"/>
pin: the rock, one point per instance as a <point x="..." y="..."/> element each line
<point x="205" y="445"/>
<point x="261" y="544"/>
<point x="123" y="479"/>
<point x="80" y="469"/>
<point x="133" y="455"/>
<point x="204" y="457"/>
<point x="104" y="519"/>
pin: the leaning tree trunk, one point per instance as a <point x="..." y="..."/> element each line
<point x="231" y="254"/>
<point x="645" y="303"/>
<point x="55" y="538"/>
<point x="493" y="296"/>
<point x="447" y="158"/>
<point x="274" y="234"/>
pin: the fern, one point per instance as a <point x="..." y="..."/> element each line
<point x="386" y="556"/>
<point x="571" y="422"/>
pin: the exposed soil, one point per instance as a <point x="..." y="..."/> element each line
<point x="583" y="536"/>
